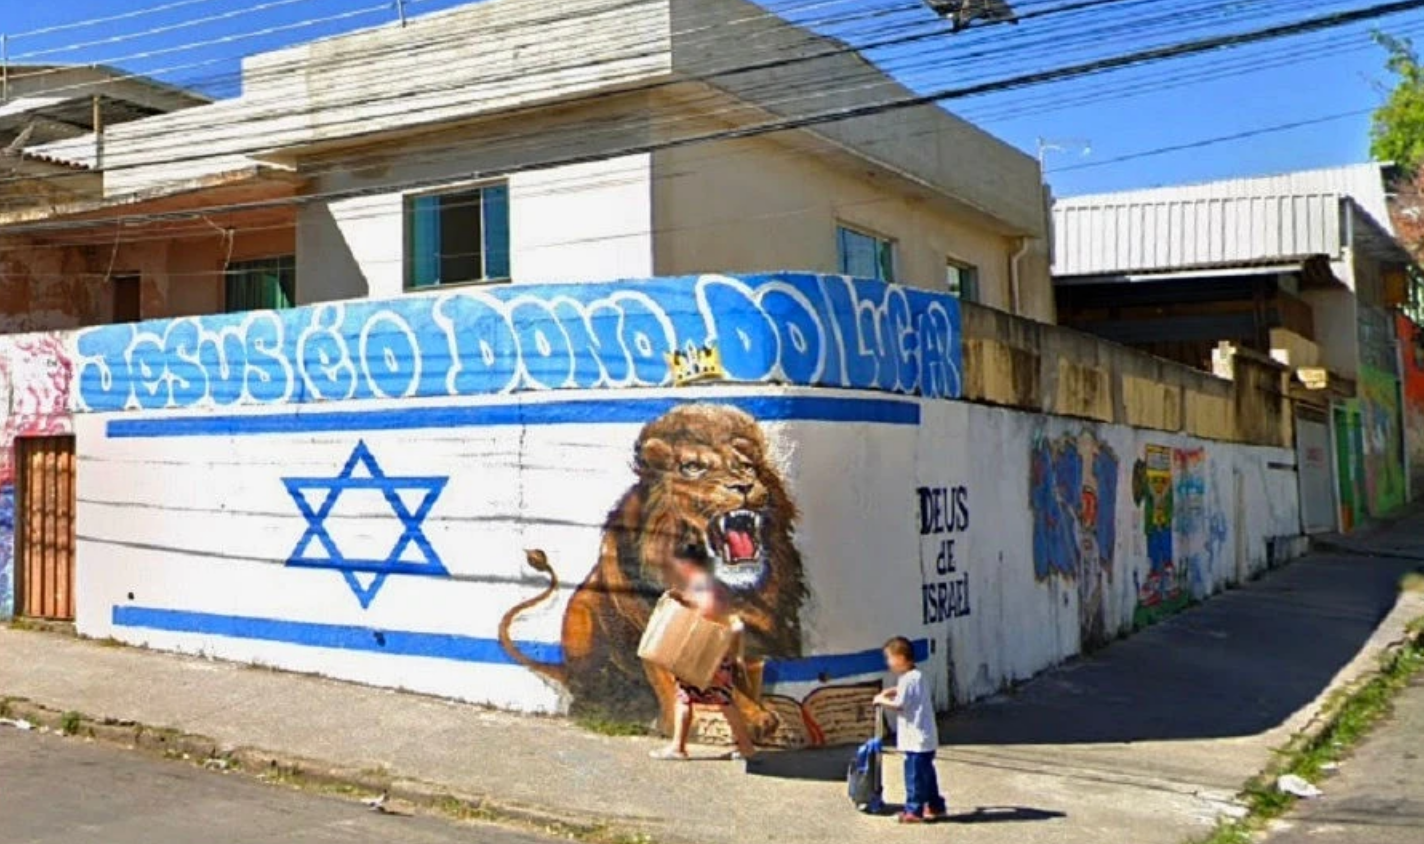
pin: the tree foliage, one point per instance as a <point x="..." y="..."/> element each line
<point x="1397" y="132"/>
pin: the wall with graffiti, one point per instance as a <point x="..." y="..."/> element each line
<point x="35" y="379"/>
<point x="1411" y="355"/>
<point x="1135" y="525"/>
<point x="1380" y="422"/>
<point x="477" y="494"/>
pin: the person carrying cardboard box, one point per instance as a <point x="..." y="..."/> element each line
<point x="709" y="600"/>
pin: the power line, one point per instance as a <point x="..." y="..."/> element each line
<point x="235" y="129"/>
<point x="1219" y="139"/>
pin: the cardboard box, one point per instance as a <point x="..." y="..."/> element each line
<point x="680" y="640"/>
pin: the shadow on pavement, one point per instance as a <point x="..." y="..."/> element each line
<point x="826" y="764"/>
<point x="1239" y="664"/>
<point x="1005" y="814"/>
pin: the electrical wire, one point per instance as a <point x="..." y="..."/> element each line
<point x="1030" y="79"/>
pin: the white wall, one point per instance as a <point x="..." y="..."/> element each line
<point x="205" y="525"/>
<point x="582" y="222"/>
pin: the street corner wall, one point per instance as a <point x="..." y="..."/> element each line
<point x="1003" y="542"/>
<point x="474" y="494"/>
<point x="1411" y="353"/>
<point x="35" y="379"/>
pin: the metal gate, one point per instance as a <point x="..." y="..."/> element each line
<point x="44" y="527"/>
<point x="1317" y="487"/>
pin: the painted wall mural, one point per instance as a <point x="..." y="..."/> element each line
<point x="1165" y="589"/>
<point x="1073" y="497"/>
<point x="792" y="329"/>
<point x="35" y="377"/>
<point x="1411" y="347"/>
<point x="704" y="477"/>
<point x="385" y="493"/>
<point x="1383" y="444"/>
<point x="1184" y="523"/>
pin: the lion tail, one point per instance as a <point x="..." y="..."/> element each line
<point x="539" y="561"/>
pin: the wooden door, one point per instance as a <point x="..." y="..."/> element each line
<point x="44" y="527"/>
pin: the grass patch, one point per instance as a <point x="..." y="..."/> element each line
<point x="606" y="725"/>
<point x="1352" y="717"/>
<point x="70" y="722"/>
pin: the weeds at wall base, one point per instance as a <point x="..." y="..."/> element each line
<point x="1351" y="716"/>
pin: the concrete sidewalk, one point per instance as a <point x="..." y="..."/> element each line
<point x="1145" y="742"/>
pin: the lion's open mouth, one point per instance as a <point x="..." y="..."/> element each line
<point x="735" y="540"/>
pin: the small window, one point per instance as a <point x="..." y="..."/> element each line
<point x="268" y="284"/>
<point x="962" y="280"/>
<point x="127" y="298"/>
<point x="865" y="255"/>
<point x="457" y="237"/>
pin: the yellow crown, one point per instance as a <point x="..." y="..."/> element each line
<point x="695" y="364"/>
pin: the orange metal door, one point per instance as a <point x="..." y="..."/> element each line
<point x="44" y="527"/>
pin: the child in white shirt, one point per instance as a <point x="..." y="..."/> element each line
<point x="916" y="734"/>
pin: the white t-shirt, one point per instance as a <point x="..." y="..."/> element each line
<point x="915" y="728"/>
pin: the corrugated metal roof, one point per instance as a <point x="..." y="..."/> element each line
<point x="1363" y="183"/>
<point x="1145" y="230"/>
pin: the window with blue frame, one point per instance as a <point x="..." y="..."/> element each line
<point x="865" y="255"/>
<point x="457" y="237"/>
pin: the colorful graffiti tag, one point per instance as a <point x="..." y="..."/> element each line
<point x="792" y="329"/>
<point x="1411" y="345"/>
<point x="1383" y="447"/>
<point x="35" y="375"/>
<point x="1166" y="589"/>
<point x="1073" y="496"/>
<point x="1185" y="527"/>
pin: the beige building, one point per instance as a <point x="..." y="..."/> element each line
<point x="504" y="142"/>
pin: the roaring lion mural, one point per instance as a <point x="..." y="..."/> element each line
<point x="703" y="475"/>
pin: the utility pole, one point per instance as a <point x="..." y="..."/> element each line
<point x="1046" y="146"/>
<point x="400" y="10"/>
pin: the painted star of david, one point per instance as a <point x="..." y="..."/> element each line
<point x="412" y="552"/>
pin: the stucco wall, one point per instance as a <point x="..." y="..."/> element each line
<point x="52" y="286"/>
<point x="395" y="493"/>
<point x="758" y="205"/>
<point x="581" y="222"/>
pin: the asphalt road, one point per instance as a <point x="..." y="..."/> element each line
<point x="1378" y="795"/>
<point x="65" y="791"/>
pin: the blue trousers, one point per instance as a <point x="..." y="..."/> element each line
<point x="922" y="784"/>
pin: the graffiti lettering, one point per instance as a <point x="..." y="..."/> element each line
<point x="791" y="329"/>
<point x="946" y="600"/>
<point x="944" y="510"/>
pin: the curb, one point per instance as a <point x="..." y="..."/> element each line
<point x="397" y="795"/>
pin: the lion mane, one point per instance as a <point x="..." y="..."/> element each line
<point x="703" y="475"/>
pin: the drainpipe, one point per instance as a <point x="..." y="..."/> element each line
<point x="1015" y="300"/>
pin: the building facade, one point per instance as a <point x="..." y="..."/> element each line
<point x="1303" y="267"/>
<point x="610" y="140"/>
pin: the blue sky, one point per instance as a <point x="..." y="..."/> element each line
<point x="1325" y="75"/>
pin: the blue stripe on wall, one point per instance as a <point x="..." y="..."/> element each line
<point x="456" y="648"/>
<point x="336" y="636"/>
<point x="823" y="669"/>
<point x="586" y="412"/>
